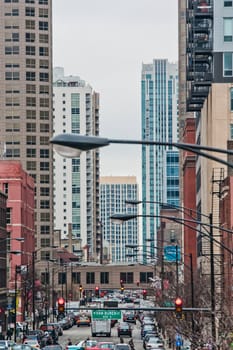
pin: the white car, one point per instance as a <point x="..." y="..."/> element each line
<point x="153" y="343"/>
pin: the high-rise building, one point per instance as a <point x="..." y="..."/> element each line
<point x="26" y="103"/>
<point x="160" y="164"/>
<point x="208" y="63"/>
<point x="76" y="181"/>
<point x="115" y="190"/>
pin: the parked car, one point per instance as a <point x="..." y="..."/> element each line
<point x="52" y="347"/>
<point x="90" y="344"/>
<point x="154" y="342"/>
<point x="148" y="329"/>
<point x="3" y="345"/>
<point x="124" y="329"/>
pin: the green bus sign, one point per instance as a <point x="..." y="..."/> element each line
<point x="106" y="314"/>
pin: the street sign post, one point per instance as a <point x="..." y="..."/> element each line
<point x="106" y="314"/>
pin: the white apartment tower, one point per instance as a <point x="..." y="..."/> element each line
<point x="76" y="183"/>
<point x="115" y="190"/>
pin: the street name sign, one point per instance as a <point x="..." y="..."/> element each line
<point x="106" y="314"/>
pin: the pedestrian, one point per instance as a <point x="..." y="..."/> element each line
<point x="9" y="334"/>
<point x="131" y="344"/>
<point x="121" y="340"/>
<point x="69" y="342"/>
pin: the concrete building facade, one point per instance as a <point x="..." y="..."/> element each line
<point x="76" y="181"/>
<point x="26" y="102"/>
<point x="114" y="191"/>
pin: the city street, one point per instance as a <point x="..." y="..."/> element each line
<point x="77" y="334"/>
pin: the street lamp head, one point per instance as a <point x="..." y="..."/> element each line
<point x="71" y="145"/>
<point x="132" y="202"/>
<point x="120" y="218"/>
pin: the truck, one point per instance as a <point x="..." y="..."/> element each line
<point x="101" y="328"/>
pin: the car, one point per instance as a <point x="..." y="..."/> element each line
<point x="154" y="342"/>
<point x="129" y="317"/>
<point x="52" y="347"/>
<point x="83" y="321"/>
<point x="74" y="347"/>
<point x="122" y="346"/>
<point x="104" y="345"/>
<point x="90" y="344"/>
<point x="32" y="342"/>
<point x="148" y="329"/>
<point x="37" y="332"/>
<point x="21" y="347"/>
<point x="3" y="344"/>
<point x="124" y="329"/>
<point x="148" y="336"/>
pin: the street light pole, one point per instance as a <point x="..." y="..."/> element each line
<point x="33" y="292"/>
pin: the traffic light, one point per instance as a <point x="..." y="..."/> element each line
<point x="97" y="292"/>
<point x="80" y="289"/>
<point x="144" y="293"/>
<point x="178" y="307"/>
<point x="61" y="305"/>
<point x="122" y="286"/>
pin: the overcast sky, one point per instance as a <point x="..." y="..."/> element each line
<point x="105" y="42"/>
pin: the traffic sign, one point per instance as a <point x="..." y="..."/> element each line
<point x="106" y="314"/>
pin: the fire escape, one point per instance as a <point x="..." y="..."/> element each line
<point x="199" y="52"/>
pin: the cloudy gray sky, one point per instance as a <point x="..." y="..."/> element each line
<point x="105" y="42"/>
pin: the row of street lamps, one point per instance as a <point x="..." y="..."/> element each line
<point x="71" y="145"/>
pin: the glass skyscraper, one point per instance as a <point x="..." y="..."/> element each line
<point x="160" y="164"/>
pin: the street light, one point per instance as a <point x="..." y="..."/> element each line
<point x="71" y="145"/>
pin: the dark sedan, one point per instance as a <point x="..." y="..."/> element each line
<point x="124" y="329"/>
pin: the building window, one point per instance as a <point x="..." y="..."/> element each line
<point x="31" y="114"/>
<point x="12" y="37"/>
<point x="227" y="29"/>
<point x="44" y="76"/>
<point x="44" y="89"/>
<point x="30" y="24"/>
<point x="104" y="277"/>
<point x="30" y="89"/>
<point x="44" y="127"/>
<point x="43" y="25"/>
<point x="44" y="166"/>
<point x="44" y="38"/>
<point x="76" y="277"/>
<point x="45" y="256"/>
<point x="44" y="229"/>
<point x="30" y="50"/>
<point x="14" y="12"/>
<point x="44" y="179"/>
<point x="44" y="51"/>
<point x="44" y="64"/>
<point x="31" y="127"/>
<point x="31" y="140"/>
<point x="90" y="277"/>
<point x="145" y="277"/>
<point x="44" y="217"/>
<point x="30" y="101"/>
<point x="30" y="37"/>
<point x="8" y="215"/>
<point x="31" y="165"/>
<point x="30" y="11"/>
<point x="227" y="64"/>
<point x="62" y="278"/>
<point x="44" y="140"/>
<point x="227" y="3"/>
<point x="44" y="204"/>
<point x="231" y="131"/>
<point x="12" y="50"/>
<point x="43" y="2"/>
<point x="44" y="277"/>
<point x="12" y="75"/>
<point x="44" y="102"/>
<point x="43" y="12"/>
<point x="44" y="191"/>
<point x="30" y="63"/>
<point x="231" y="98"/>
<point x="44" y="153"/>
<point x="126" y="277"/>
<point x="31" y="153"/>
<point x="30" y="76"/>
